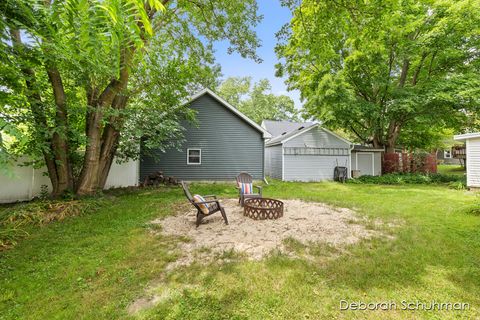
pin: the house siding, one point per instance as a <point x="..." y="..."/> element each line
<point x="312" y="167"/>
<point x="273" y="162"/>
<point x="229" y="145"/>
<point x="441" y="158"/>
<point x="331" y="151"/>
<point x="473" y="162"/>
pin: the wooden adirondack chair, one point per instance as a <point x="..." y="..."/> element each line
<point x="212" y="205"/>
<point x="245" y="177"/>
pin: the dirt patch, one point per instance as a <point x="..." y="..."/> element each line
<point x="307" y="222"/>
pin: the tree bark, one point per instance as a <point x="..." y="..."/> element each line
<point x="403" y="74"/>
<point x="110" y="139"/>
<point x="418" y="69"/>
<point x="60" y="143"/>
<point x="88" y="182"/>
<point x="392" y="135"/>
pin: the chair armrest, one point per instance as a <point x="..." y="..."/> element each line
<point x="207" y="202"/>
<point x="210" y="196"/>
<point x="259" y="190"/>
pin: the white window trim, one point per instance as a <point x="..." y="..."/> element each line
<point x="188" y="156"/>
<point x="449" y="153"/>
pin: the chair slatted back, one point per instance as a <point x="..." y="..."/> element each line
<point x="244" y="177"/>
<point x="187" y="192"/>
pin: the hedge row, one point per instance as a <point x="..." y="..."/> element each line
<point x="412" y="178"/>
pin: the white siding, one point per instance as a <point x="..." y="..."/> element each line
<point x="25" y="183"/>
<point x="315" y="167"/>
<point x="312" y="167"/>
<point x="473" y="162"/>
<point x="273" y="161"/>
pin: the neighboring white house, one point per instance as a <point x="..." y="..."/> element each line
<point x="472" y="143"/>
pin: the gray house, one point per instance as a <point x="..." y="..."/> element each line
<point x="304" y="151"/>
<point x="309" y="152"/>
<point x="223" y="143"/>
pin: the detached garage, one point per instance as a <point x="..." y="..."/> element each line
<point x="304" y="152"/>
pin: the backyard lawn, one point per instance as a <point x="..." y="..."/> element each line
<point x="451" y="169"/>
<point x="94" y="265"/>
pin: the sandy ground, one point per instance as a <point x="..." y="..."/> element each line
<point x="307" y="222"/>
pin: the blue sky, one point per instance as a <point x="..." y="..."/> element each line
<point x="274" y="17"/>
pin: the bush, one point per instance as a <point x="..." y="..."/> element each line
<point x="454" y="181"/>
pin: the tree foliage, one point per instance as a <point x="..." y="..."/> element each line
<point x="385" y="69"/>
<point x="82" y="81"/>
<point x="257" y="101"/>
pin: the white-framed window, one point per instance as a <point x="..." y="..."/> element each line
<point x="194" y="156"/>
<point x="447" y="154"/>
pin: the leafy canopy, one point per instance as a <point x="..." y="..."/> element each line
<point x="162" y="48"/>
<point x="383" y="69"/>
<point x="257" y="101"/>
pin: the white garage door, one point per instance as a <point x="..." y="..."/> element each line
<point x="312" y="167"/>
<point x="365" y="163"/>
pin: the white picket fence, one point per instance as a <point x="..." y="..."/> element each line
<point x="26" y="183"/>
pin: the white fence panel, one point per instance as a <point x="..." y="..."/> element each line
<point x="123" y="175"/>
<point x="26" y="183"/>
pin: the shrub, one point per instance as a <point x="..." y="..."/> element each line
<point x="454" y="181"/>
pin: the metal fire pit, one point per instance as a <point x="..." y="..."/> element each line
<point x="263" y="208"/>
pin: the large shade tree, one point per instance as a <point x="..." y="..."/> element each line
<point x="257" y="100"/>
<point x="381" y="69"/>
<point x="82" y="81"/>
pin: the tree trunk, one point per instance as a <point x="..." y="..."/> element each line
<point x="60" y="135"/>
<point x="89" y="179"/>
<point x="110" y="139"/>
<point x="403" y="74"/>
<point x="392" y="135"/>
<point x="87" y="182"/>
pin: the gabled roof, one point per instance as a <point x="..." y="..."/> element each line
<point x="231" y="108"/>
<point x="466" y="136"/>
<point x="279" y="139"/>
<point x="276" y="128"/>
<point x="295" y="133"/>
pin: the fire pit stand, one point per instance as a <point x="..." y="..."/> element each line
<point x="263" y="208"/>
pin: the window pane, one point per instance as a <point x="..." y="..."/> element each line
<point x="194" y="153"/>
<point x="194" y="159"/>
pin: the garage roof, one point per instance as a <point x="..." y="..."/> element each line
<point x="463" y="137"/>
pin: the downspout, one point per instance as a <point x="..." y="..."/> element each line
<point x="349" y="172"/>
<point x="263" y="159"/>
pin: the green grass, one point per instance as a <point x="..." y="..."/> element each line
<point x="451" y="169"/>
<point x="93" y="265"/>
